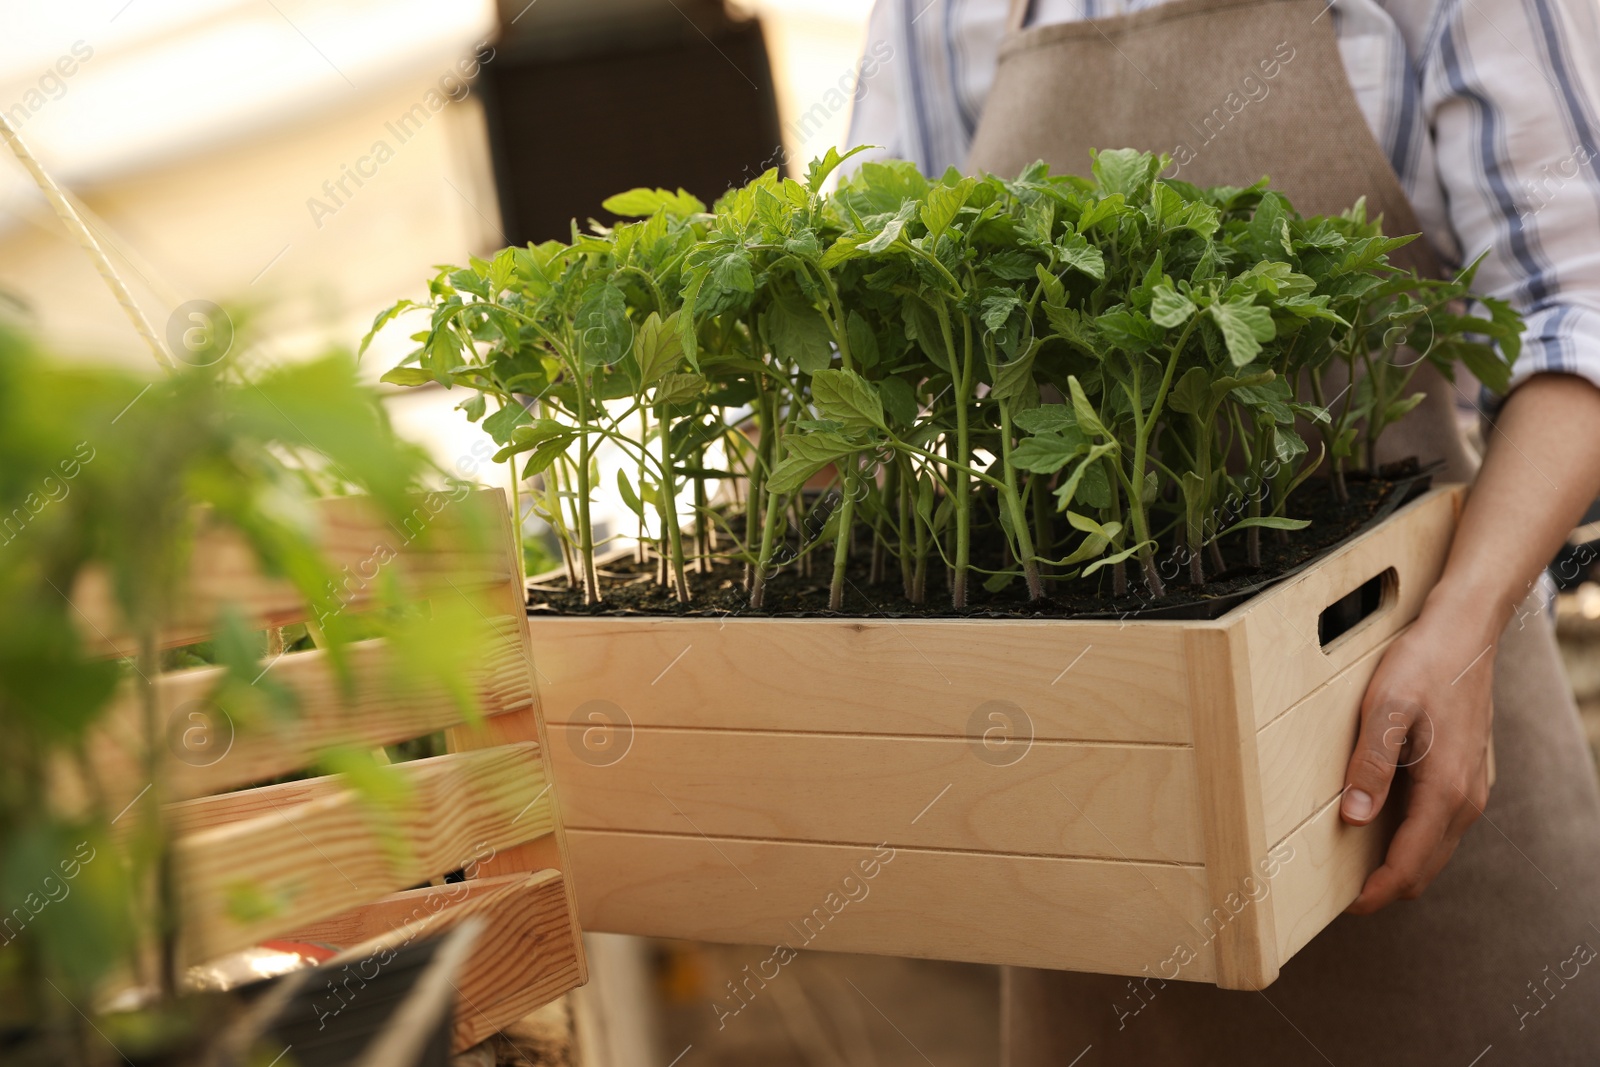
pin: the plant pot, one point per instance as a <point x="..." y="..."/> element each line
<point x="1139" y="796"/>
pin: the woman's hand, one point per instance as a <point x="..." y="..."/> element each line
<point x="1428" y="707"/>
<point x="1428" y="710"/>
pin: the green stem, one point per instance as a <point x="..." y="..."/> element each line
<point x="962" y="448"/>
<point x="841" y="544"/>
<point x="1019" y="519"/>
<point x="591" y="581"/>
<point x="669" y="498"/>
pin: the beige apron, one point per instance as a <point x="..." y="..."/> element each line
<point x="1234" y="90"/>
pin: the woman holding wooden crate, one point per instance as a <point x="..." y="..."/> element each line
<point x="1475" y="123"/>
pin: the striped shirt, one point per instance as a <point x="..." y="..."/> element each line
<point x="1488" y="110"/>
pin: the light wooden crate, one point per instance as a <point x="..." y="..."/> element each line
<point x="336" y="870"/>
<point x="869" y="786"/>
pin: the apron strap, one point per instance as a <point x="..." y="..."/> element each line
<point x="1017" y="19"/>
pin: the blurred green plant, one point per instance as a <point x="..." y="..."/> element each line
<point x="102" y="469"/>
<point x="1072" y="374"/>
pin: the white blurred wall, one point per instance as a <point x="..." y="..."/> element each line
<point x="199" y="135"/>
<point x="212" y="143"/>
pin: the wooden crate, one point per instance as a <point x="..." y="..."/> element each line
<point x="1129" y="797"/>
<point x="309" y="859"/>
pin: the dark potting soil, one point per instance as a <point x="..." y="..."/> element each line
<point x="627" y="588"/>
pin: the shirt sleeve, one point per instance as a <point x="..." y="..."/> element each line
<point x="875" y="117"/>
<point x="1509" y="90"/>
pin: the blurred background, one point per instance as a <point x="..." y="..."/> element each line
<point x="306" y="164"/>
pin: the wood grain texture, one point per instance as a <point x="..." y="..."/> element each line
<point x="528" y="956"/>
<point x="759" y="753"/>
<point x="437" y="541"/>
<point x="1329" y="864"/>
<point x="1305" y="751"/>
<point x="523" y="726"/>
<point x="379" y="709"/>
<point x="1229" y="804"/>
<point x="1087" y="915"/>
<point x="1075" y="680"/>
<point x="396" y="911"/>
<point x="331" y="853"/>
<point x="1057" y="799"/>
<point x="1280" y="625"/>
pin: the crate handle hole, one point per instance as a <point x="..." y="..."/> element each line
<point x="1357" y="608"/>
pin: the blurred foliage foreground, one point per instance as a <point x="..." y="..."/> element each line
<point x="105" y="470"/>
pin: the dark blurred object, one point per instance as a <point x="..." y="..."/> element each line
<point x="585" y="100"/>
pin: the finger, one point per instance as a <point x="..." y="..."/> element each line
<point x="1370" y="773"/>
<point x="1420" y="849"/>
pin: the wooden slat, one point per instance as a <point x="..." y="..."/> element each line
<point x="330" y="853"/>
<point x="1329" y="865"/>
<point x="1059" y="798"/>
<point x="1305" y="751"/>
<point x="1229" y="804"/>
<point x="1093" y="681"/>
<point x="377" y="711"/>
<point x="1030" y="911"/>
<point x="528" y="956"/>
<point x="358" y="545"/>
<point x="526" y="725"/>
<point x="396" y="911"/>
<point x="1286" y="659"/>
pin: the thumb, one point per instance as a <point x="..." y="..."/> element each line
<point x="1385" y="727"/>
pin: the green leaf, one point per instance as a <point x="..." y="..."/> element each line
<point x="502" y="269"/>
<point x="892" y="231"/>
<point x="543" y="455"/>
<point x="384" y="317"/>
<point x="996" y="582"/>
<point x="1483" y="361"/>
<point x="657" y="347"/>
<point x="1054" y="291"/>
<point x="1099" y="539"/>
<point x="818" y="171"/>
<point x="1244" y="326"/>
<point x="1046" y="453"/>
<point x="1120" y="557"/>
<point x="944" y="203"/>
<point x="1088" y="419"/>
<point x="863" y="342"/>
<point x="638" y="203"/>
<point x="503" y="422"/>
<point x="1013" y="379"/>
<point x="1103" y="210"/>
<point x="1123" y="170"/>
<point x="848" y="399"/>
<point x="407" y="376"/>
<point x="1402" y="407"/>
<point x="805" y="455"/>
<point x="1049" y="418"/>
<point x="629" y="497"/>
<point x="798" y="334"/>
<point x="1267" y="522"/>
<point x="922" y="326"/>
<point x="1192" y="394"/>
<point x="603" y="331"/>
<point x="899" y="401"/>
<point x="535" y="434"/>
<point x="729" y="285"/>
<point x="1076" y="252"/>
<point x="679" y="388"/>
<point x="1068" y="491"/>
<point x="1170" y="308"/>
<point x="1128" y="329"/>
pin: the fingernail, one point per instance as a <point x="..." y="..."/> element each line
<point x="1357" y="805"/>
